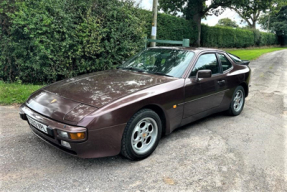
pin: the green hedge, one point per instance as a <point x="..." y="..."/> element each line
<point x="45" y="41"/>
<point x="50" y="40"/>
<point x="169" y="27"/>
<point x="230" y="37"/>
<point x="267" y="39"/>
<point x="174" y="28"/>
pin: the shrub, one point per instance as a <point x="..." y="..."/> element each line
<point x="235" y="37"/>
<point x="226" y="37"/>
<point x="169" y="27"/>
<point x="47" y="40"/>
<point x="55" y="39"/>
<point x="267" y="39"/>
<point x="257" y="37"/>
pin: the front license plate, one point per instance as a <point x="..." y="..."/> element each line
<point x="38" y="125"/>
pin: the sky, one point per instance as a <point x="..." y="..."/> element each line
<point x="210" y="20"/>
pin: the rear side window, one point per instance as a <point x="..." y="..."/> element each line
<point x="206" y="61"/>
<point x="225" y="63"/>
<point x="234" y="58"/>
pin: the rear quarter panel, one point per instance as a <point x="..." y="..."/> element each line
<point x="239" y="75"/>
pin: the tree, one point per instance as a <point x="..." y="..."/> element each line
<point x="279" y="22"/>
<point x="276" y="22"/>
<point x="195" y="10"/>
<point x="226" y="22"/>
<point x="276" y="13"/>
<point x="250" y="11"/>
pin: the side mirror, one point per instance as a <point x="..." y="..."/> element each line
<point x="203" y="74"/>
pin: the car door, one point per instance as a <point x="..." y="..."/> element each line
<point x="205" y="93"/>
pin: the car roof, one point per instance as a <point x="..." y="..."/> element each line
<point x="195" y="49"/>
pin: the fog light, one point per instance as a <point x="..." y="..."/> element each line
<point x="77" y="136"/>
<point x="63" y="134"/>
<point x="65" y="144"/>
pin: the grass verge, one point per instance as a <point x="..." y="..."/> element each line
<point x="15" y="93"/>
<point x="251" y="54"/>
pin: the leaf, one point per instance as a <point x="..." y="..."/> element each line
<point x="168" y="181"/>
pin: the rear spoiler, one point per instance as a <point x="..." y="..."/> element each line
<point x="245" y="62"/>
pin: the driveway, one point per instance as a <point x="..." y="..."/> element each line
<point x="218" y="153"/>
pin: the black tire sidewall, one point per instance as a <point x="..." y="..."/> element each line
<point x="130" y="128"/>
<point x="231" y="109"/>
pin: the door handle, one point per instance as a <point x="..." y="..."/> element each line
<point x="221" y="82"/>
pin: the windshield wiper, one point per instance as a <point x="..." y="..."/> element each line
<point x="133" y="69"/>
<point x="158" y="73"/>
<point x="141" y="70"/>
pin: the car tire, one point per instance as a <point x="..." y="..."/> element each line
<point x="141" y="135"/>
<point x="237" y="102"/>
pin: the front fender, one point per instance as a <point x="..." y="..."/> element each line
<point x="120" y="111"/>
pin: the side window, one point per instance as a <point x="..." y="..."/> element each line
<point x="206" y="61"/>
<point x="234" y="58"/>
<point x="225" y="63"/>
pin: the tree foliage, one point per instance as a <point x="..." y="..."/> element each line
<point x="250" y="11"/>
<point x="276" y="22"/>
<point x="226" y="22"/>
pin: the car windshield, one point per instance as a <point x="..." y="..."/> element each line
<point x="168" y="62"/>
<point x="234" y="58"/>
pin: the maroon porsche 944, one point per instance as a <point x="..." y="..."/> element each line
<point x="127" y="110"/>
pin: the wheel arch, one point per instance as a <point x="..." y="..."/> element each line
<point x="245" y="87"/>
<point x="161" y="115"/>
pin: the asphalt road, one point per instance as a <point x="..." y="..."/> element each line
<point x="218" y="153"/>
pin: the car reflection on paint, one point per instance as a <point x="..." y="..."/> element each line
<point x="128" y="109"/>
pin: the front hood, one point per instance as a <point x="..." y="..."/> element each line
<point x="100" y="88"/>
<point x="58" y="108"/>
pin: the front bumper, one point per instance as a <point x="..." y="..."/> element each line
<point x="98" y="142"/>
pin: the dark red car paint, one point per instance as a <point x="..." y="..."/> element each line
<point x="103" y="102"/>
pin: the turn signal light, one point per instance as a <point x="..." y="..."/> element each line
<point x="72" y="136"/>
<point x="77" y="136"/>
